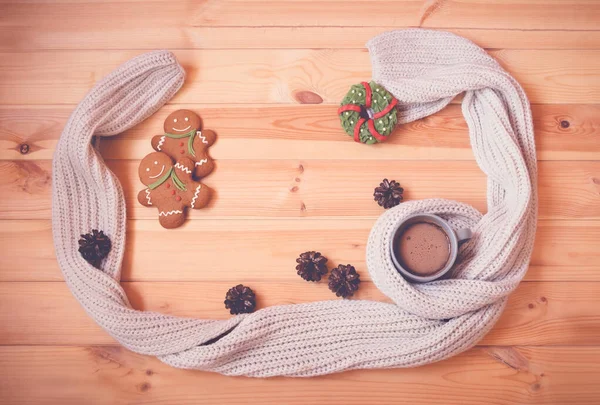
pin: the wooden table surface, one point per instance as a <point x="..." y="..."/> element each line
<point x="267" y="76"/>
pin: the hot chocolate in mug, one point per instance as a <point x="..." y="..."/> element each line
<point x="424" y="247"/>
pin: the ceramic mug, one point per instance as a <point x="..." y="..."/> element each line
<point x="454" y="237"/>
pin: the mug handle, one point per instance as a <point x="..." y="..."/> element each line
<point x="463" y="235"/>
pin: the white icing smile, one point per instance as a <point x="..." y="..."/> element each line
<point x="161" y="172"/>
<point x="181" y="130"/>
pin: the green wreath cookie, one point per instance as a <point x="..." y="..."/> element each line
<point x="368" y="113"/>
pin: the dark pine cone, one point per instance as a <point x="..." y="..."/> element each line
<point x="311" y="266"/>
<point x="94" y="247"/>
<point x="388" y="194"/>
<point x="240" y="300"/>
<point x="344" y="280"/>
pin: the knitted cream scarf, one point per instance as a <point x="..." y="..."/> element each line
<point x="424" y="70"/>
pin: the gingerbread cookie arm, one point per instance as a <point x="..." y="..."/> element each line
<point x="145" y="197"/>
<point x="197" y="195"/>
<point x="158" y="143"/>
<point x="204" y="164"/>
<point x="184" y="168"/>
<point x="204" y="139"/>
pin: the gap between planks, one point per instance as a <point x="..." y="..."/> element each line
<point x="297" y="188"/>
<point x="563" y="250"/>
<point x="178" y="37"/>
<point x="101" y="374"/>
<point x="563" y="132"/>
<point x="278" y="76"/>
<point x="101" y="15"/>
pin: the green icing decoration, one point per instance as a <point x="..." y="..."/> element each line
<point x="160" y="180"/>
<point x="180" y="185"/>
<point x="380" y="98"/>
<point x="190" y="144"/>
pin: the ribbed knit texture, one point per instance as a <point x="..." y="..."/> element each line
<point x="425" y="323"/>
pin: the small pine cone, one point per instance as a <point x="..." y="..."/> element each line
<point x="240" y="300"/>
<point x="311" y="266"/>
<point x="388" y="194"/>
<point x="344" y="280"/>
<point x="94" y="247"/>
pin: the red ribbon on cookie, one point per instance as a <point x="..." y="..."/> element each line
<point x="370" y="121"/>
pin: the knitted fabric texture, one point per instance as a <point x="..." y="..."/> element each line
<point x="424" y="323"/>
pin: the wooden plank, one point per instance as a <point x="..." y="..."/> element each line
<point x="266" y="250"/>
<point x="254" y="61"/>
<point x="292" y="188"/>
<point x="110" y="374"/>
<point x="538" y="313"/>
<point x="305" y="132"/>
<point x="170" y="34"/>
<point x="562" y="15"/>
<point x="278" y="76"/>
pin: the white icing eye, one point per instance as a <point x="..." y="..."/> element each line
<point x="155" y="162"/>
<point x="187" y="119"/>
<point x="174" y="119"/>
<point x="147" y="169"/>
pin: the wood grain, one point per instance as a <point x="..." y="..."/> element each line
<point x="288" y="180"/>
<point x="299" y="189"/>
<point x="563" y="132"/>
<point x="171" y="34"/>
<point x="110" y="374"/>
<point x="266" y="250"/>
<point x="45" y="313"/>
<point x="532" y="14"/>
<point x="249" y="76"/>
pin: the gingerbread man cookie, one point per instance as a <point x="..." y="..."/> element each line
<point x="183" y="138"/>
<point x="171" y="188"/>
